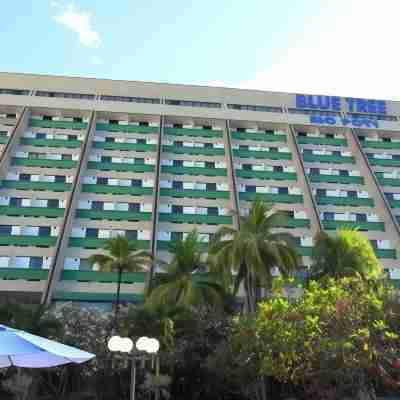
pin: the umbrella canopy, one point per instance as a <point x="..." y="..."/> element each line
<point x="22" y="349"/>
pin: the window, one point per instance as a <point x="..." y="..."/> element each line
<point x="210" y="164"/>
<point x="352" y="194"/>
<point x="67" y="157"/>
<point x="134" y="207"/>
<point x="136" y="183"/>
<point x="141" y="141"/>
<point x="143" y="123"/>
<point x="176" y="236"/>
<point x="361" y="217"/>
<point x="177" y="163"/>
<point x="139" y="161"/>
<point x="60" y="178"/>
<point x="77" y="119"/>
<point x="40" y="135"/>
<point x="91" y="232"/>
<point x="177" y="185"/>
<point x="15" y="202"/>
<point x="178" y="143"/>
<point x="245" y="107"/>
<point x="273" y="149"/>
<point x="36" y="262"/>
<point x="187" y="103"/>
<point x="110" y="139"/>
<point x="247" y="167"/>
<point x="102" y="181"/>
<point x="321" y="192"/>
<point x="278" y="168"/>
<point x="302" y="134"/>
<point x="97" y="205"/>
<point x="42" y="93"/>
<point x="389" y="196"/>
<point x="361" y="138"/>
<point x="5" y="230"/>
<point x="131" y="235"/>
<point x="208" y="145"/>
<point x="177" y="209"/>
<point x="212" y="210"/>
<point x="17" y="92"/>
<point x="386" y="139"/>
<point x="127" y="99"/>
<point x="72" y="137"/>
<point x="47" y="118"/>
<point x="44" y="231"/>
<point x="243" y="147"/>
<point x="313" y="112"/>
<point x="344" y="172"/>
<point x="314" y="171"/>
<point x="24" y="177"/>
<point x="105" y="159"/>
<point x="211" y="187"/>
<point x="250" y="189"/>
<point x="330" y="135"/>
<point x="240" y="129"/>
<point x="113" y="121"/>
<point x="207" y="127"/>
<point x="178" y="126"/>
<point x="283" y="190"/>
<point x="52" y="203"/>
<point x="329" y="216"/>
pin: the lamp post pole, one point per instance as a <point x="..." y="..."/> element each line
<point x="133" y="378"/>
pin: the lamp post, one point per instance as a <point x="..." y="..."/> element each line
<point x="125" y="345"/>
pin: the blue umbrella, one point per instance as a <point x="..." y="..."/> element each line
<point x="22" y="349"/>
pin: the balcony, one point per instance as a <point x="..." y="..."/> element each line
<point x="196" y="219"/>
<point x="361" y="226"/>
<point x="37" y="186"/>
<point x="194" y="194"/>
<point x="344" y="201"/>
<point x="44" y="163"/>
<point x="109" y="189"/>
<point x="127" y="128"/>
<point x="38" y="123"/>
<point x="165" y="245"/>
<point x="270" y="155"/>
<point x="111" y="215"/>
<point x="72" y="144"/>
<point x="125" y="146"/>
<point x="272" y="197"/>
<point x="192" y="132"/>
<point x="371" y="144"/>
<point x="267" y="175"/>
<point x="322" y="141"/>
<point x="110" y="166"/>
<point x="197" y="151"/>
<point x="387" y="181"/>
<point x="26" y="274"/>
<point x="385" y="253"/>
<point x="358" y="180"/>
<point x="384" y="163"/>
<point x="169" y="169"/>
<point x="31" y="211"/>
<point x="325" y="158"/>
<point x="394" y="203"/>
<point x="263" y="137"/>
<point x="38" y="241"/>
<point x="102" y="277"/>
<point x="295" y="223"/>
<point x="96" y="243"/>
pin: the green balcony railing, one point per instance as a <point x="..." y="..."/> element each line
<point x="165" y="245"/>
<point x="344" y="201"/>
<point x="193" y="132"/>
<point x="196" y="219"/>
<point x="268" y="175"/>
<point x="384" y="163"/>
<point x="326" y="158"/>
<point x="371" y="144"/>
<point x="38" y="123"/>
<point x="394" y="203"/>
<point x="362" y="226"/>
<point x="125" y="146"/>
<point x="51" y="142"/>
<point x="336" y="179"/>
<point x="32" y="211"/>
<point x="110" y="166"/>
<point x="385" y="253"/>
<point x="261" y="136"/>
<point x="37" y="186"/>
<point x="40" y="241"/>
<point x="126" y="128"/>
<point x="195" y="194"/>
<point x="387" y="181"/>
<point x="112" y="215"/>
<point x="27" y="274"/>
<point x="194" y="150"/>
<point x="304" y="251"/>
<point x="295" y="223"/>
<point x="95" y="243"/>
<point x="272" y="197"/>
<point x="132" y="190"/>
<point x="102" y="277"/>
<point x="321" y="140"/>
<point x="97" y="297"/>
<point x="169" y="169"/>
<point x="3" y="139"/>
<point x="44" y="163"/>
<point x="270" y="155"/>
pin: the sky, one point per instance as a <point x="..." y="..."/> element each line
<point x="332" y="47"/>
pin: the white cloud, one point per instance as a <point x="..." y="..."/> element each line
<point x="78" y="21"/>
<point x="350" y="50"/>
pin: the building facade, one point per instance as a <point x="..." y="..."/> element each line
<point x="83" y="160"/>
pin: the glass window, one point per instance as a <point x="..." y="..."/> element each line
<point x="212" y="187"/>
<point x="24" y="177"/>
<point x="15" y="202"/>
<point x="92" y="232"/>
<point x="44" y="231"/>
<point x="329" y="216"/>
<point x="35" y="262"/>
<point x="243" y="146"/>
<point x="67" y="157"/>
<point x="131" y="235"/>
<point x="352" y="193"/>
<point x="178" y="163"/>
<point x="314" y="171"/>
<point x="176" y="236"/>
<point x="97" y="205"/>
<point x="60" y="178"/>
<point x="52" y="203"/>
<point x="141" y="141"/>
<point x="110" y="139"/>
<point x="247" y="167"/>
<point x="278" y="168"/>
<point x="321" y="192"/>
<point x="139" y="161"/>
<point x="106" y="159"/>
<point x="5" y="230"/>
<point x="212" y="210"/>
<point x="134" y="207"/>
<point x="210" y="164"/>
<point x="361" y="217"/>
<point x="250" y="189"/>
<point x="283" y="190"/>
<point x="136" y="183"/>
<point x="177" y="209"/>
<point x="178" y="143"/>
<point x="344" y="172"/>
<point x="102" y="181"/>
<point x="40" y="135"/>
<point x="177" y="185"/>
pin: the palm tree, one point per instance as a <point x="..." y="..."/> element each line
<point x="122" y="256"/>
<point x="254" y="251"/>
<point x="347" y="253"/>
<point x="186" y="281"/>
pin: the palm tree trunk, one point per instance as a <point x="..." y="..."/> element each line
<point x="118" y="296"/>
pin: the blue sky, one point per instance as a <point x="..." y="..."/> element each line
<point x="345" y="47"/>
